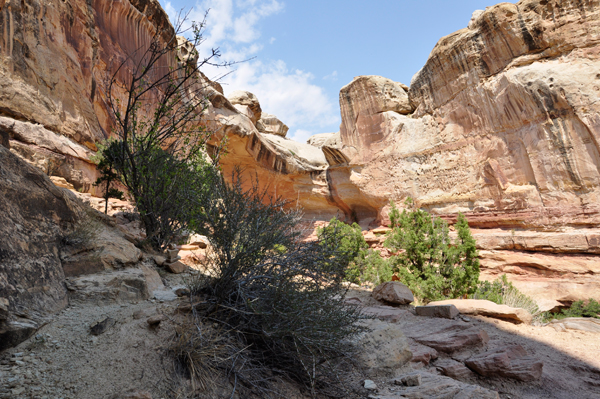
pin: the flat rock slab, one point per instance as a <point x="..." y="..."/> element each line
<point x="453" y="369"/>
<point x="444" y="311"/>
<point x="577" y="323"/>
<point x="488" y="308"/>
<point x="386" y="313"/>
<point x="393" y="292"/>
<point x="509" y="361"/>
<point x="440" y="387"/>
<point x="455" y="338"/>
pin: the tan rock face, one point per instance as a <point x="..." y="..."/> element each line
<point x="271" y="124"/>
<point x="247" y="99"/>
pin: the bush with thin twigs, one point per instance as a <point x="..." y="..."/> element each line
<point x="280" y="298"/>
<point x="503" y="292"/>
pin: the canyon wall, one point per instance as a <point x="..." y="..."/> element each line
<point x="502" y="123"/>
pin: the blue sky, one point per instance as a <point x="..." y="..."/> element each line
<point x="306" y="50"/>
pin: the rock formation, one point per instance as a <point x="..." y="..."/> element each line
<point x="501" y="124"/>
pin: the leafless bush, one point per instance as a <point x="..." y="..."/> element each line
<point x="279" y="298"/>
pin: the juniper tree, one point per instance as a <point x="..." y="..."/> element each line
<point x="432" y="265"/>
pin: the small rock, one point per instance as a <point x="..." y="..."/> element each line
<point x="453" y="369"/>
<point x="182" y="292"/>
<point x="159" y="260"/>
<point x="100" y="327"/>
<point x="176" y="267"/>
<point x="154" y="321"/>
<point x="411" y="380"/>
<point x="393" y="292"/>
<point x="370" y="385"/>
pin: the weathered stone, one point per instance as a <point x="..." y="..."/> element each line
<point x="154" y="321"/>
<point x="383" y="350"/>
<point x="422" y="354"/>
<point x="577" y="323"/>
<point x="101" y="326"/>
<point x="159" y="260"/>
<point x="455" y="338"/>
<point x="453" y="369"/>
<point x="393" y="292"/>
<point x="386" y="313"/>
<point x="248" y="99"/>
<point x="13" y="332"/>
<point x="411" y="380"/>
<point x="509" y="361"/>
<point x="370" y="385"/>
<point x="436" y="309"/>
<point x="439" y="387"/>
<point x="61" y="182"/>
<point x="182" y="292"/>
<point x="35" y="217"/>
<point x="488" y="308"/>
<point x="271" y="124"/>
<point x="118" y="285"/>
<point x="199" y="240"/>
<point x="176" y="267"/>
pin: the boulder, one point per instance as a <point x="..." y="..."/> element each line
<point x="455" y="338"/>
<point x="383" y="350"/>
<point x="438" y="387"/>
<point x="487" y="308"/>
<point x="508" y="361"/>
<point x="176" y="267"/>
<point x="123" y="285"/>
<point x="393" y="292"/>
<point x="199" y="240"/>
<point x="245" y="98"/>
<point x="271" y="124"/>
<point x="446" y="311"/>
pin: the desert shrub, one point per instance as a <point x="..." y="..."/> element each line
<point x="577" y="309"/>
<point x="280" y="298"/>
<point x="428" y="262"/>
<point x="351" y="244"/>
<point x="371" y="268"/>
<point x="581" y="309"/>
<point x="503" y="292"/>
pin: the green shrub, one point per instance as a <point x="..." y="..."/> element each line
<point x="577" y="309"/>
<point x="428" y="262"/>
<point x="580" y="309"/>
<point x="351" y="243"/>
<point x="372" y="268"/>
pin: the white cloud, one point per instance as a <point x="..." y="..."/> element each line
<point x="332" y="76"/>
<point x="233" y="26"/>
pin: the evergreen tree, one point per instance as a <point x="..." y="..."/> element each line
<point x="428" y="261"/>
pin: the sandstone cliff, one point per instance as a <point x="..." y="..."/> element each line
<point x="501" y="123"/>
